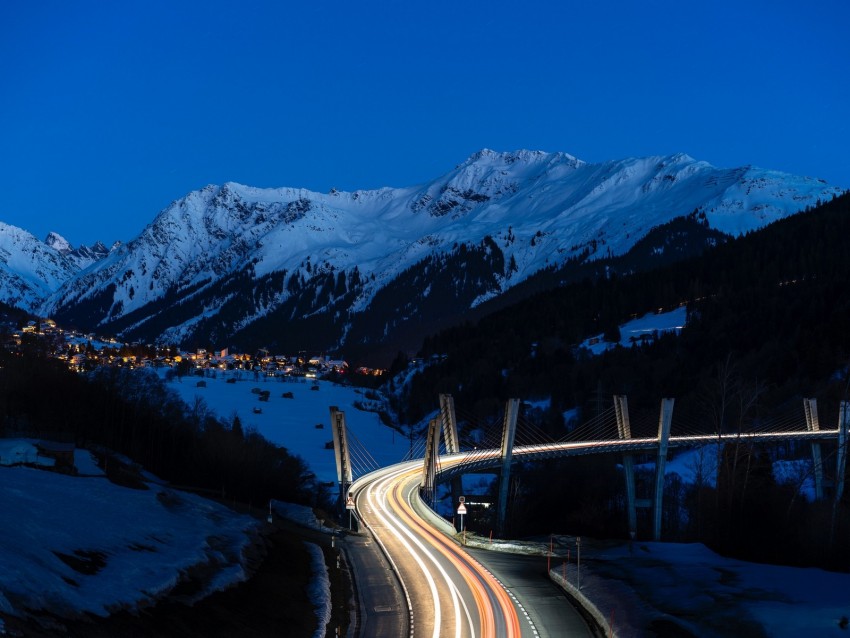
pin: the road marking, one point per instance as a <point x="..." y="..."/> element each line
<point x="383" y="514"/>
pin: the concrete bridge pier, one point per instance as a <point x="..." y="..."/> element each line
<point x="664" y="422"/>
<point x="508" y="434"/>
<point x="810" y="407"/>
<point x="841" y="457"/>
<point x="341" y="453"/>
<point x="624" y="429"/>
<point x="621" y="409"/>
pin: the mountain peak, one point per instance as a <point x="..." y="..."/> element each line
<point x="58" y="243"/>
<point x="524" y="156"/>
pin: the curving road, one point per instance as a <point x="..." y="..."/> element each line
<point x="449" y="593"/>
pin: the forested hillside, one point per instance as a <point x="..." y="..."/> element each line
<point x="775" y="303"/>
<point x="133" y="413"/>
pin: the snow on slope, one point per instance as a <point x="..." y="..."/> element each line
<point x="640" y="328"/>
<point x="29" y="269"/>
<point x="58" y="243"/>
<point x="540" y="208"/>
<point x="81" y="257"/>
<point x="292" y="422"/>
<point x="130" y="545"/>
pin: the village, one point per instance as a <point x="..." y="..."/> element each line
<point x="84" y="352"/>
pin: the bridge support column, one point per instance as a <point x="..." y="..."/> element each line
<point x="664" y="422"/>
<point x="843" y="425"/>
<point x="432" y="450"/>
<point x="508" y="434"/>
<point x="624" y="428"/>
<point x="449" y="420"/>
<point x="810" y="407"/>
<point x="447" y="416"/>
<point x="341" y="453"/>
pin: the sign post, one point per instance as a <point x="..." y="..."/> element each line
<point x="461" y="509"/>
<point x="349" y="505"/>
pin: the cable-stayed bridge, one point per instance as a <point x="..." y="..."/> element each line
<point x="497" y="445"/>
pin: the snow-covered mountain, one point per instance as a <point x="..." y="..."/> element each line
<point x="29" y="269"/>
<point x="233" y="263"/>
<point x="83" y="256"/>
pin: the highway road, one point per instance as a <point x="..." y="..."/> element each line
<point x="448" y="592"/>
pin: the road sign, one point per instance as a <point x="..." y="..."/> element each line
<point x="461" y="509"/>
<point x="349" y="503"/>
<point x="461" y="499"/>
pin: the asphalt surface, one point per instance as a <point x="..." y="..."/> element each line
<point x="383" y="611"/>
<point x="548" y="606"/>
<point x="454" y="591"/>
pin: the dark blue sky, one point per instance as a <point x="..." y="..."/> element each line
<point x="111" y="110"/>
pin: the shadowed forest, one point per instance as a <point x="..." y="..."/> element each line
<point x="767" y="325"/>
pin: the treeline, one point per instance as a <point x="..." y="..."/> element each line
<point x="135" y="414"/>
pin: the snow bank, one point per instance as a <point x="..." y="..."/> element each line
<point x="86" y="464"/>
<point x="19" y="451"/>
<point x="300" y="514"/>
<point x="319" y="589"/>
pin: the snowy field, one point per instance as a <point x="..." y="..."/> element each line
<point x="292" y="422"/>
<point x="74" y="544"/>
<point x="642" y="327"/>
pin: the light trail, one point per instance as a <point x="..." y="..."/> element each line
<point x="445" y="584"/>
<point x="486" y="590"/>
<point x="487" y="458"/>
<point x="412" y="524"/>
<point x="376" y="496"/>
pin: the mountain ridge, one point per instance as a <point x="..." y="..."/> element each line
<point x="83" y="256"/>
<point x="237" y="254"/>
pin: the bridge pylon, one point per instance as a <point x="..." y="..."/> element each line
<point x="341" y="453"/>
<point x="810" y="407"/>
<point x="450" y="436"/>
<point x="508" y="434"/>
<point x="432" y="450"/>
<point x="449" y="420"/>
